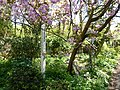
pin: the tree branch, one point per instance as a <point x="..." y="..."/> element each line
<point x="87" y="24"/>
<point x="22" y="23"/>
<point x="108" y="20"/>
<point x="103" y="11"/>
<point x="71" y="21"/>
<point x="57" y="35"/>
<point x="90" y="35"/>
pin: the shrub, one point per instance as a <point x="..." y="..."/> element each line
<point x="24" y="48"/>
<point x="56" y="45"/>
<point x="24" y="76"/>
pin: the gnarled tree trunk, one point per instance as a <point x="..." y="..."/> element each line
<point x="72" y="58"/>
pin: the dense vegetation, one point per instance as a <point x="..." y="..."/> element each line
<point x="20" y="68"/>
<point x="78" y="57"/>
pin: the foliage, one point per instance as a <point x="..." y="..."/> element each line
<point x="117" y="49"/>
<point x="24" y="47"/>
<point x="56" y="45"/>
<point x="19" y="75"/>
<point x="5" y="28"/>
<point x="4" y="74"/>
<point x="58" y="79"/>
<point x="25" y="74"/>
<point x="6" y="32"/>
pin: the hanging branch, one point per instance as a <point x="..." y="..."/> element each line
<point x="58" y="35"/>
<point x="23" y="23"/>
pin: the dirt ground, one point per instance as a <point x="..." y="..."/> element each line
<point x="114" y="83"/>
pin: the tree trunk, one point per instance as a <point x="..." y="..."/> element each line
<point x="43" y="50"/>
<point x="72" y="58"/>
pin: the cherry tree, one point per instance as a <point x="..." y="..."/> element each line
<point x="98" y="14"/>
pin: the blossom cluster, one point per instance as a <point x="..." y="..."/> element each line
<point x="46" y="10"/>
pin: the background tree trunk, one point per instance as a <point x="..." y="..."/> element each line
<point x="43" y="49"/>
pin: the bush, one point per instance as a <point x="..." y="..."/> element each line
<point x="24" y="76"/>
<point x="24" y="48"/>
<point x="57" y="45"/>
<point x="5" y="70"/>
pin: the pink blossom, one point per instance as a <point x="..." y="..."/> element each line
<point x="32" y="3"/>
<point x="43" y="8"/>
<point x="25" y="3"/>
<point x="33" y="15"/>
<point x="44" y="18"/>
<point x="3" y="1"/>
<point x="49" y="22"/>
<point x="54" y="1"/>
<point x="67" y="8"/>
<point x="15" y="7"/>
<point x="76" y="28"/>
<point x="97" y="26"/>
